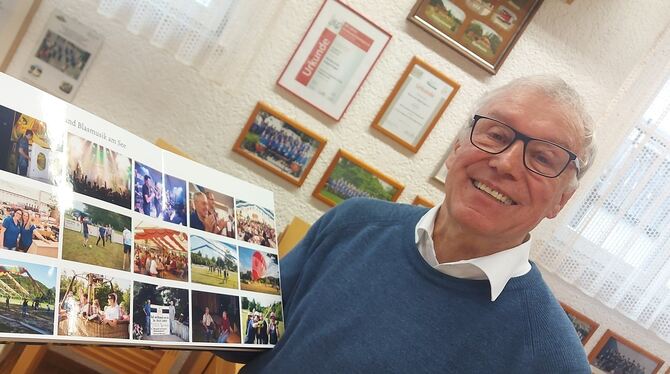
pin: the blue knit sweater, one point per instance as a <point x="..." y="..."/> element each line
<point x="359" y="298"/>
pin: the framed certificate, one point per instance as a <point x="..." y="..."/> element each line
<point x="415" y="105"/>
<point x="333" y="59"/>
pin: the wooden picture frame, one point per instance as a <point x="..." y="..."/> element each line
<point x="421" y="201"/>
<point x="584" y="326"/>
<point x="255" y="144"/>
<point x="423" y="94"/>
<point x="483" y="33"/>
<point x="20" y="14"/>
<point x="333" y="192"/>
<point x="348" y="43"/>
<point x="622" y="350"/>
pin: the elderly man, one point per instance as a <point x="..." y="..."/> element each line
<point x="450" y="289"/>
<point x="201" y="218"/>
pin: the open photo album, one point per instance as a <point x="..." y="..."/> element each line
<point x="108" y="239"/>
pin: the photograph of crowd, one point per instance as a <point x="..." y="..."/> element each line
<point x="160" y="252"/>
<point x="213" y="262"/>
<point x="218" y="318"/>
<point x="211" y="211"/>
<point x="93" y="305"/>
<point x="148" y="190"/>
<point x="278" y="144"/>
<point x="62" y="54"/>
<point x="584" y="326"/>
<point x="28" y="295"/>
<point x="25" y="146"/>
<point x="348" y="177"/>
<point x="256" y="224"/>
<point x="97" y="236"/>
<point x="30" y="220"/>
<point x="259" y="271"/>
<point x="174" y="200"/>
<point x="99" y="172"/>
<point x="617" y="355"/>
<point x="263" y="319"/>
<point x="160" y="313"/>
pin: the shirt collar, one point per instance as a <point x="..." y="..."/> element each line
<point x="497" y="268"/>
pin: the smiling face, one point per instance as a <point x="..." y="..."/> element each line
<point x="495" y="196"/>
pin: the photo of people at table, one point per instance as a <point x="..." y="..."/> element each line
<point x="218" y="318"/>
<point x="25" y="146"/>
<point x="211" y="211"/>
<point x="175" y="200"/>
<point x="30" y="220"/>
<point x="93" y="305"/>
<point x="259" y="271"/>
<point x="213" y="262"/>
<point x="99" y="172"/>
<point x="160" y="313"/>
<point x="27" y="297"/>
<point x="262" y="319"/>
<point x="148" y="190"/>
<point x="160" y="252"/>
<point x="255" y="224"/>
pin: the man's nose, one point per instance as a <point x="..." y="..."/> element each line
<point x="510" y="162"/>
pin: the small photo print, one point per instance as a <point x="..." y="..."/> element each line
<point x="444" y="15"/>
<point x="160" y="313"/>
<point x="27" y="146"/>
<point x="62" y="54"/>
<point x="259" y="271"/>
<point x="161" y="252"/>
<point x="218" y="318"/>
<point x="93" y="305"/>
<point x="148" y="190"/>
<point x="28" y="296"/>
<point x="615" y="354"/>
<point x="214" y="262"/>
<point x="212" y="211"/>
<point x="99" y="172"/>
<point x="30" y="220"/>
<point x="175" y="201"/>
<point x="97" y="236"/>
<point x="263" y="319"/>
<point x="256" y="224"/>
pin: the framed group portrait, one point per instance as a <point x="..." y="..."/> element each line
<point x="616" y="354"/>
<point x="279" y="144"/>
<point x="484" y="31"/>
<point x="333" y="58"/>
<point x="584" y="326"/>
<point x="422" y="201"/>
<point x="348" y="177"/>
<point x="415" y="105"/>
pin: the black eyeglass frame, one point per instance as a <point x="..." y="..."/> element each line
<point x="525" y="139"/>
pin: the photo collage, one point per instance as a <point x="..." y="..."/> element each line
<point x="135" y="252"/>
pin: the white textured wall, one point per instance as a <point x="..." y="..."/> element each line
<point x="593" y="44"/>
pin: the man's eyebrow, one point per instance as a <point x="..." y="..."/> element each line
<point x="552" y="138"/>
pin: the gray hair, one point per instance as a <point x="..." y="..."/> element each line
<point x="556" y="89"/>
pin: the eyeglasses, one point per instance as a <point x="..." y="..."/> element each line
<point x="539" y="156"/>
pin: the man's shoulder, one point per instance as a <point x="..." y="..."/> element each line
<point x="366" y="210"/>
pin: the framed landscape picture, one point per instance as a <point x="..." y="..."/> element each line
<point x="415" y="105"/>
<point x="584" y="326"/>
<point x="484" y="31"/>
<point x="279" y="144"/>
<point x="333" y="58"/>
<point x="349" y="177"/>
<point x="615" y="354"/>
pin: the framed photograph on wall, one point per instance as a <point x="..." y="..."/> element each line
<point x="415" y="105"/>
<point x="15" y="16"/>
<point x="419" y="200"/>
<point x="584" y="326"/>
<point x="333" y="58"/>
<point x="483" y="31"/>
<point x="616" y="354"/>
<point x="349" y="177"/>
<point x="279" y="144"/>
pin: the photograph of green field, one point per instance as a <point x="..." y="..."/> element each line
<point x="262" y="319"/>
<point x="259" y="271"/>
<point x="214" y="262"/>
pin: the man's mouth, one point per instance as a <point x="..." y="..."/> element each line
<point x="501" y="197"/>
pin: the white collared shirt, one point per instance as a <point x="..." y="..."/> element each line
<point x="497" y="268"/>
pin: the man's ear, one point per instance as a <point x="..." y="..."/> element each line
<point x="565" y="197"/>
<point x="452" y="153"/>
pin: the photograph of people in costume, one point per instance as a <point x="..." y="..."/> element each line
<point x="214" y="262"/>
<point x="259" y="271"/>
<point x="27" y="296"/>
<point x="30" y="220"/>
<point x="263" y="319"/>
<point x="25" y="146"/>
<point x="211" y="211"/>
<point x="160" y="252"/>
<point x="218" y="318"/>
<point x="62" y="54"/>
<point x="99" y="172"/>
<point x="256" y="224"/>
<point x="148" y="190"/>
<point x="97" y="236"/>
<point x="175" y="200"/>
<point x="160" y="313"/>
<point x="93" y="305"/>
